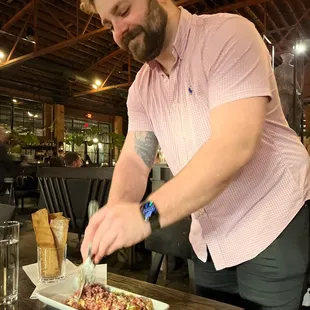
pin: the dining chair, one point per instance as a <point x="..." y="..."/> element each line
<point x="69" y="190"/>
<point x="7" y="212"/>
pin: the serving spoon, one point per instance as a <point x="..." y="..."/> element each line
<point x="87" y="273"/>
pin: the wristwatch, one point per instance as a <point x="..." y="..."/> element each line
<point x="150" y="213"/>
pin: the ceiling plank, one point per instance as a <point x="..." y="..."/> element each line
<point x="304" y="15"/>
<point x="57" y="21"/>
<point x="17" y="16"/>
<point x="52" y="48"/>
<point x="105" y="58"/>
<point x="19" y="94"/>
<point x="101" y="89"/>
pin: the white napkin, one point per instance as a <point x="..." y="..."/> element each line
<point x="306" y="301"/>
<point x="32" y="273"/>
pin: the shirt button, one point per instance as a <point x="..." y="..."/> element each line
<point x="201" y="212"/>
<point x="173" y="105"/>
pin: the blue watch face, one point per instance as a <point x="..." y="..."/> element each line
<point x="148" y="209"/>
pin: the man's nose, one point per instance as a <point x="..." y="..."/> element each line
<point x="119" y="29"/>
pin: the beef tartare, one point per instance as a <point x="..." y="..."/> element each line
<point x="96" y="297"/>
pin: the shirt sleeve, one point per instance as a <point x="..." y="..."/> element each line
<point x="238" y="63"/>
<point x="138" y="119"/>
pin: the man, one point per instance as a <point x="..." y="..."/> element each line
<point x="208" y="95"/>
<point x="57" y="161"/>
<point x="6" y="164"/>
<point x="73" y="160"/>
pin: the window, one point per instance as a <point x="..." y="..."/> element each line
<point x="100" y="152"/>
<point x="26" y="116"/>
<point x="29" y="119"/>
<point x="5" y="116"/>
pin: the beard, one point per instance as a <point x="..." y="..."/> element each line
<point x="145" y="42"/>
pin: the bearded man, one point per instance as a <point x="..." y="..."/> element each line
<point x="207" y="94"/>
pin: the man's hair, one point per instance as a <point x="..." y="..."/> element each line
<point x="70" y="158"/>
<point x="88" y="6"/>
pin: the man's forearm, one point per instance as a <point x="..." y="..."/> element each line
<point x="203" y="178"/>
<point x="128" y="183"/>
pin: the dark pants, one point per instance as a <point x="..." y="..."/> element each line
<point x="275" y="279"/>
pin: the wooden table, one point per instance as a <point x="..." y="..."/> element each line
<point x="176" y="299"/>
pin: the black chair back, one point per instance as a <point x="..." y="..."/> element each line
<point x="169" y="241"/>
<point x="69" y="190"/>
<point x="7" y="212"/>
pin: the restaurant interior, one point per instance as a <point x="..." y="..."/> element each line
<point x="63" y="89"/>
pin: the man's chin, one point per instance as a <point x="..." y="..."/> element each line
<point x="142" y="57"/>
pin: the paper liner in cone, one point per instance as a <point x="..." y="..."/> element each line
<point x="59" y="227"/>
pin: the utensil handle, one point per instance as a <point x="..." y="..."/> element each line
<point x="93" y="207"/>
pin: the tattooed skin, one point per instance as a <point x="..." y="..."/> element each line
<point x="146" y="145"/>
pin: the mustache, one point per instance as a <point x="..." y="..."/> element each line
<point x="131" y="35"/>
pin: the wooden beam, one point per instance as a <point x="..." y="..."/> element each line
<point x="58" y="21"/>
<point x="235" y="6"/>
<point x="17" y="16"/>
<point x="35" y="24"/>
<point x="19" y="37"/>
<point x="88" y="22"/>
<point x="105" y="58"/>
<point x="25" y="95"/>
<point x="101" y="89"/>
<point x="53" y="48"/>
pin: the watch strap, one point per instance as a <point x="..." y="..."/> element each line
<point x="152" y="218"/>
<point x="154" y="221"/>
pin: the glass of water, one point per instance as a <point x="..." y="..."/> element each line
<point x="9" y="261"/>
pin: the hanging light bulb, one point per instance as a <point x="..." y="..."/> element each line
<point x="300" y="48"/>
<point x="98" y="82"/>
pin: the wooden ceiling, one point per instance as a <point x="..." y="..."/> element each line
<point x="54" y="52"/>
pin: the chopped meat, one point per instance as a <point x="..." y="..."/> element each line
<point x="96" y="297"/>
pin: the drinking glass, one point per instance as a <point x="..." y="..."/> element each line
<point x="51" y="263"/>
<point x="9" y="261"/>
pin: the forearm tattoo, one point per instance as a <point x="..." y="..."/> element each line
<point x="146" y="146"/>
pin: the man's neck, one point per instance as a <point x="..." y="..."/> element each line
<point x="166" y="58"/>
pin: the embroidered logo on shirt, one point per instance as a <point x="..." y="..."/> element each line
<point x="190" y="90"/>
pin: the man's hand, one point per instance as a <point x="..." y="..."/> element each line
<point x="113" y="227"/>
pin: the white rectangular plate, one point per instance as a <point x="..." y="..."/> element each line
<point x="57" y="293"/>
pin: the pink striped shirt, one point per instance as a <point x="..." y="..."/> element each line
<point x="222" y="58"/>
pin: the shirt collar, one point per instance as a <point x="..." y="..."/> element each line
<point x="180" y="42"/>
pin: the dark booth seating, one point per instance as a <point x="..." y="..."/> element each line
<point x="26" y="184"/>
